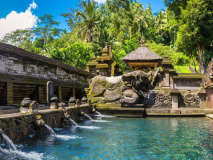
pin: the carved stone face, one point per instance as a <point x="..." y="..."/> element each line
<point x="138" y="79"/>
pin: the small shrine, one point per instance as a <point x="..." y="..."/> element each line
<point x="104" y="65"/>
<point x="143" y="58"/>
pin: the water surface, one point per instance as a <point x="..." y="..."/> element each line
<point x="125" y="138"/>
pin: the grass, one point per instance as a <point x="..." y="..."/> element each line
<point x="184" y="69"/>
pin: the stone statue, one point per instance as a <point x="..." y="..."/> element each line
<point x="126" y="89"/>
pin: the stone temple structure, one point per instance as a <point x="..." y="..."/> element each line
<point x="159" y="92"/>
<point x="105" y="64"/>
<point x="142" y="58"/>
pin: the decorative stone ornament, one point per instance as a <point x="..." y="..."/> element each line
<point x="84" y="100"/>
<point x="61" y="105"/>
<point x="54" y="102"/>
<point x="191" y="100"/>
<point x="39" y="122"/>
<point x="25" y="106"/>
<point x="78" y="103"/>
<point x="33" y="107"/>
<point x="72" y="101"/>
<point x="1" y="131"/>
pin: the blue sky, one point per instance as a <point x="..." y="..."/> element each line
<point x="20" y="14"/>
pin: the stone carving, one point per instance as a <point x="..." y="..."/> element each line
<point x="191" y="100"/>
<point x="33" y="107"/>
<point x="126" y="89"/>
<point x="25" y="104"/>
<point x="72" y="101"/>
<point x="84" y="100"/>
<point x="163" y="100"/>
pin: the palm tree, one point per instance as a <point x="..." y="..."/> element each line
<point x="161" y="21"/>
<point x="90" y="19"/>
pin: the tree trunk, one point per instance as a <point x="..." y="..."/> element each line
<point x="139" y="27"/>
<point x="193" y="63"/>
<point x="91" y="36"/>
<point x="201" y="59"/>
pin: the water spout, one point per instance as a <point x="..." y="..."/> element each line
<point x="39" y="121"/>
<point x="7" y="139"/>
<point x="98" y="113"/>
<point x="50" y="129"/>
<point x="67" y="116"/>
<point x="86" y="115"/>
<point x="73" y="122"/>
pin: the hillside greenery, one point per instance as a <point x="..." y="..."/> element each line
<point x="184" y="30"/>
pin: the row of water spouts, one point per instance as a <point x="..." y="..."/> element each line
<point x="41" y="123"/>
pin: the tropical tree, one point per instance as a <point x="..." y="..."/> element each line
<point x="196" y="29"/>
<point x="46" y="27"/>
<point x="90" y="19"/>
<point x="19" y="38"/>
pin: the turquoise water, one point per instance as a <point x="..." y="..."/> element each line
<point x="122" y="138"/>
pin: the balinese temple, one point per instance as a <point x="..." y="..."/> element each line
<point x="143" y="58"/>
<point x="104" y="65"/>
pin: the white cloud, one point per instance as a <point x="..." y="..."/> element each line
<point x="100" y="1"/>
<point x="14" y="20"/>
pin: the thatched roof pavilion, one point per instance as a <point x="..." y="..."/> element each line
<point x="142" y="58"/>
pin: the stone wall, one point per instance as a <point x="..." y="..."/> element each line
<point x="20" y="125"/>
<point x="25" y="74"/>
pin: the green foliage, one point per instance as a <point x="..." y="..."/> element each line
<point x="184" y="69"/>
<point x="46" y="29"/>
<point x="177" y="58"/>
<point x="184" y="30"/>
<point x="19" y="38"/>
<point x="77" y="54"/>
<point x="195" y="32"/>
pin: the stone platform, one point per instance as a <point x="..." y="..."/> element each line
<point x="144" y="112"/>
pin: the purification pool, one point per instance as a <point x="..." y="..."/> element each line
<point x="121" y="138"/>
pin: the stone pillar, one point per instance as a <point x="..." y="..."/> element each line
<point x="52" y="99"/>
<point x="50" y="91"/>
<point x="40" y="94"/>
<point x="174" y="101"/>
<point x="166" y="79"/>
<point x="174" y="93"/>
<point x="202" y="96"/>
<point x="60" y="93"/>
<point x="9" y="93"/>
<point x="73" y="92"/>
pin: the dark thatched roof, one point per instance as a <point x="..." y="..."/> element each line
<point x="142" y="54"/>
<point x="33" y="56"/>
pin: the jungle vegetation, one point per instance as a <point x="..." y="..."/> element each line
<point x="184" y="30"/>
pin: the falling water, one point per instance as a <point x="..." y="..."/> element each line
<point x="50" y="129"/>
<point x="55" y="121"/>
<point x="98" y="113"/>
<point x="7" y="139"/>
<point x="63" y="137"/>
<point x="73" y="122"/>
<point x="104" y="116"/>
<point x="88" y="116"/>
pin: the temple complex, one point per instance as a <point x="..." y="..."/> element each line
<point x="142" y="58"/>
<point x="104" y="65"/>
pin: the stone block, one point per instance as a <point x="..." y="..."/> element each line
<point x="175" y="111"/>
